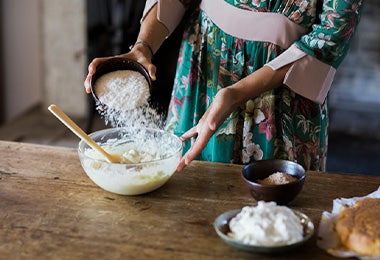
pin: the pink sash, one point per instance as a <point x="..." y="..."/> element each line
<point x="255" y="26"/>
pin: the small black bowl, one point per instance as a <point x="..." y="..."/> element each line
<point x="282" y="194"/>
<point x="115" y="64"/>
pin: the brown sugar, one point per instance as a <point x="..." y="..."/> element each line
<point x="277" y="178"/>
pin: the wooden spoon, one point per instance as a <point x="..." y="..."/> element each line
<point x="112" y="158"/>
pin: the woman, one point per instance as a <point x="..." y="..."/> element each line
<point x="252" y="76"/>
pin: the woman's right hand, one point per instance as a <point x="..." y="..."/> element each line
<point x="139" y="53"/>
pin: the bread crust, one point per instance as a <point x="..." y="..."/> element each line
<point x="358" y="227"/>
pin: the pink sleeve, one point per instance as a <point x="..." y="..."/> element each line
<point x="308" y="76"/>
<point x="169" y="12"/>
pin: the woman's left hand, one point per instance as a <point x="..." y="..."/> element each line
<point x="222" y="106"/>
<point x="225" y="102"/>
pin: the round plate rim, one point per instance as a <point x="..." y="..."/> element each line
<point x="226" y="216"/>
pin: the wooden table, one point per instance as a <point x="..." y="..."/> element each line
<point x="50" y="209"/>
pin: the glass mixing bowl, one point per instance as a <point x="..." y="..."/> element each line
<point x="164" y="152"/>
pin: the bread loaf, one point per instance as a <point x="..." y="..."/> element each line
<point x="358" y="227"/>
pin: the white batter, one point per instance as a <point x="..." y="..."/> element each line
<point x="142" y="170"/>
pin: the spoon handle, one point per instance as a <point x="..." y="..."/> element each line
<point x="78" y="131"/>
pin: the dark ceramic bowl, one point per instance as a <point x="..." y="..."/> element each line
<point x="115" y="64"/>
<point x="282" y="194"/>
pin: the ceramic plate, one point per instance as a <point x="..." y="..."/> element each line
<point x="222" y="228"/>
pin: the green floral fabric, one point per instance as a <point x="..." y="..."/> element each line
<point x="279" y="123"/>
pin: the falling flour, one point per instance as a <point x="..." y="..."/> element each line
<point x="125" y="93"/>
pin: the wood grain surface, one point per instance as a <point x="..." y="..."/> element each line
<point x="50" y="209"/>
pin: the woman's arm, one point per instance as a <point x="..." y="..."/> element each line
<point x="318" y="54"/>
<point x="152" y="34"/>
<point x="235" y="95"/>
<point x="307" y="67"/>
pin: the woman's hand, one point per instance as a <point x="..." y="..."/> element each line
<point x="225" y="102"/>
<point x="153" y="33"/>
<point x="215" y="115"/>
<point x="139" y="53"/>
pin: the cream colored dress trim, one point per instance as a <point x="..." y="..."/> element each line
<point x="308" y="76"/>
<point x="254" y="26"/>
<point x="169" y="12"/>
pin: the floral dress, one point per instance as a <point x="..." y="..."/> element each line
<point x="279" y="123"/>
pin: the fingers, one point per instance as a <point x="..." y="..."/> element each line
<point x="199" y="144"/>
<point x="149" y="66"/>
<point x="190" y="133"/>
<point x="185" y="160"/>
<point x="203" y="136"/>
<point x="91" y="71"/>
<point x="87" y="82"/>
<point x="181" y="165"/>
<point x="152" y="71"/>
<point x="215" y="115"/>
<point x="133" y="54"/>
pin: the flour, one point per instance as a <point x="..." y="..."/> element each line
<point x="266" y="225"/>
<point x="139" y="118"/>
<point x="122" y="90"/>
<point x="125" y="93"/>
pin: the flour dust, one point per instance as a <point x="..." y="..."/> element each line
<point x="124" y="101"/>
